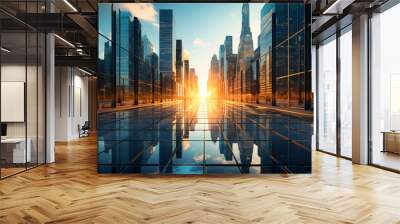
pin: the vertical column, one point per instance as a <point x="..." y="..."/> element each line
<point x="50" y="98"/>
<point x="338" y="91"/>
<point x="360" y="90"/>
<point x="313" y="94"/>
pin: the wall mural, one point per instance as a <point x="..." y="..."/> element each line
<point x="204" y="88"/>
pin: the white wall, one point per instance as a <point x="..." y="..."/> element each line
<point x="17" y="73"/>
<point x="71" y="102"/>
<point x="33" y="126"/>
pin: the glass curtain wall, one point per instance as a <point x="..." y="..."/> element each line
<point x="335" y="94"/>
<point x="22" y="79"/>
<point x="327" y="96"/>
<point x="385" y="89"/>
<point x="284" y="78"/>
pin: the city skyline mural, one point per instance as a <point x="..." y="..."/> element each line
<point x="203" y="88"/>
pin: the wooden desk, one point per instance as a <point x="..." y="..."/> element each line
<point x="13" y="150"/>
<point x="391" y="141"/>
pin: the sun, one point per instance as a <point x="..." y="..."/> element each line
<point x="203" y="89"/>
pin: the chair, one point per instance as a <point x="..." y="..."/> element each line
<point x="84" y="130"/>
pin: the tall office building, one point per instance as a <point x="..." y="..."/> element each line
<point x="231" y="70"/>
<point x="265" y="45"/>
<point x="148" y="47"/>
<point x="137" y="57"/>
<point x="255" y="76"/>
<point x="213" y="77"/>
<point x="268" y="35"/>
<point x="155" y="79"/>
<point x="228" y="44"/>
<point x="279" y="85"/>
<point x="121" y="26"/>
<point x="245" y="21"/>
<point x="194" y="82"/>
<point x="221" y="69"/>
<point x="145" y="84"/>
<point x="186" y="78"/>
<point x="228" y="76"/>
<point x="179" y="69"/>
<point x="166" y="51"/>
<point x="245" y="53"/>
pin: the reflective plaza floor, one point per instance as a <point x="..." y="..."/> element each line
<point x="203" y="137"/>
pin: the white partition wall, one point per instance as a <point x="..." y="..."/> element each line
<point x="22" y="77"/>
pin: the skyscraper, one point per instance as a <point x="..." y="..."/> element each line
<point x="267" y="41"/>
<point x="122" y="33"/>
<point x="284" y="77"/>
<point x="145" y="85"/>
<point x="166" y="54"/>
<point x="148" y="47"/>
<point x="186" y="78"/>
<point x="155" y="79"/>
<point x="228" y="44"/>
<point x="137" y="57"/>
<point x="213" y="77"/>
<point x="179" y="68"/>
<point x="245" y="21"/>
<point x="245" y="54"/>
<point x="255" y="71"/>
<point x="194" y="82"/>
<point x="228" y="75"/>
<point x="221" y="69"/>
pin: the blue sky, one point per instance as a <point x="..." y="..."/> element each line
<point x="201" y="26"/>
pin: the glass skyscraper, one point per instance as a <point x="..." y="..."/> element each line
<point x="284" y="76"/>
<point x="179" y="68"/>
<point x="122" y="69"/>
<point x="166" y="41"/>
<point x="229" y="66"/>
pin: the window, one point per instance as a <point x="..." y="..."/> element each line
<point x="385" y="89"/>
<point x="346" y="93"/>
<point x="327" y="96"/>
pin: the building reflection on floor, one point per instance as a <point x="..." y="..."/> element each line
<point x="203" y="137"/>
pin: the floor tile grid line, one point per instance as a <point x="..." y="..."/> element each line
<point x="233" y="154"/>
<point x="174" y="154"/>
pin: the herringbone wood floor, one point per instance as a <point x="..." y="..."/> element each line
<point x="71" y="191"/>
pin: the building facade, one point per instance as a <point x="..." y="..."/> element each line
<point x="213" y="83"/>
<point x="167" y="52"/>
<point x="245" y="54"/>
<point x="179" y="69"/>
<point x="229" y="63"/>
<point x="284" y="77"/>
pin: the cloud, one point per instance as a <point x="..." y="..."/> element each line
<point x="143" y="11"/>
<point x="157" y="25"/>
<point x="200" y="42"/>
<point x="185" y="54"/>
